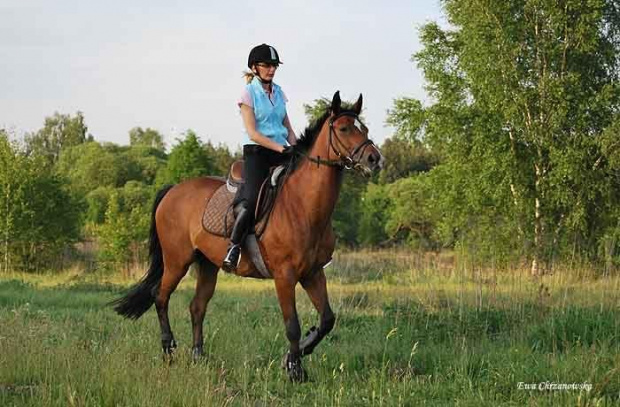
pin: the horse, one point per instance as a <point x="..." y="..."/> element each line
<point x="296" y="244"/>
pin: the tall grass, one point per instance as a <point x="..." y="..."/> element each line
<point x="411" y="330"/>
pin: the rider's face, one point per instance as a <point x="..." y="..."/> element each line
<point x="266" y="71"/>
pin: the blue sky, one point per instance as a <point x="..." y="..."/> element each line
<point x="175" y="66"/>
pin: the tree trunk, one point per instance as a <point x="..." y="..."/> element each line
<point x="6" y="229"/>
<point x="538" y="223"/>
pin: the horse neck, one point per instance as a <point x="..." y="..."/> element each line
<point x="317" y="186"/>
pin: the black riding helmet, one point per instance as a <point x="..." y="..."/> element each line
<point x="263" y="53"/>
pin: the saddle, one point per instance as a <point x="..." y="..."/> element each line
<point x="218" y="217"/>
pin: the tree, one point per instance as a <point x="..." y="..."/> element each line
<point x="141" y="163"/>
<point x="124" y="232"/>
<point x="40" y="217"/>
<point x="375" y="213"/>
<point x="146" y="138"/>
<point x="188" y="159"/>
<point x="221" y="158"/>
<point x="522" y="92"/>
<point x="60" y="131"/>
<point x="404" y="158"/>
<point x="92" y="165"/>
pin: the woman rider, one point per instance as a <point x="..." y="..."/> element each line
<point x="268" y="140"/>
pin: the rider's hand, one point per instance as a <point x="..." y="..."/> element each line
<point x="287" y="150"/>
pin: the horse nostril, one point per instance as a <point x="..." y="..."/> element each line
<point x="372" y="159"/>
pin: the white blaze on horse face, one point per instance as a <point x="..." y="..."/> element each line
<point x="361" y="127"/>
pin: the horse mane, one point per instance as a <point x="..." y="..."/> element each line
<point x="310" y="134"/>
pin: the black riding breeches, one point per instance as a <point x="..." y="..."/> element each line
<point x="257" y="161"/>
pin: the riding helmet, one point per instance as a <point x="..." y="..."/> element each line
<point x="263" y="53"/>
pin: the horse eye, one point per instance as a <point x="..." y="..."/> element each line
<point x="344" y="129"/>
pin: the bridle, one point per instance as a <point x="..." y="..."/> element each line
<point x="349" y="161"/>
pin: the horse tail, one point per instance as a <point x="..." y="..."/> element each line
<point x="142" y="295"/>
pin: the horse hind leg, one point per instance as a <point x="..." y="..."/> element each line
<point x="173" y="273"/>
<point x="316" y="288"/>
<point x="206" y="280"/>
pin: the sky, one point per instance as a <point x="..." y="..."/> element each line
<point x="174" y="66"/>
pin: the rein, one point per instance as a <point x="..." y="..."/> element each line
<point x="344" y="161"/>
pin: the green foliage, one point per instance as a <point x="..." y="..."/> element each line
<point x="40" y="216"/>
<point x="220" y="157"/>
<point x="92" y="165"/>
<point x="316" y="109"/>
<point x="411" y="218"/>
<point x="375" y="212"/>
<point x="404" y="158"/>
<point x="148" y="138"/>
<point x="142" y="163"/>
<point x="97" y="202"/>
<point x="408" y="117"/>
<point x="522" y="92"/>
<point x="63" y="185"/>
<point x="59" y="132"/>
<point x="188" y="159"/>
<point x="124" y="233"/>
<point x="348" y="211"/>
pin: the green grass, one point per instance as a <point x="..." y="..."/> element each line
<point x="408" y="333"/>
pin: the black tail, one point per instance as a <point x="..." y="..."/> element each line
<point x="142" y="295"/>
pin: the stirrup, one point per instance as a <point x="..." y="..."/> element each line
<point x="227" y="264"/>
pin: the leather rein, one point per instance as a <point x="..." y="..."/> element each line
<point x="349" y="161"/>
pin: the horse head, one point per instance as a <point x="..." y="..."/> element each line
<point x="348" y="138"/>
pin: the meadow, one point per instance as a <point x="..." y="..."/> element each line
<point x="411" y="330"/>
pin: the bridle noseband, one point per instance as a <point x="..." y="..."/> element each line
<point x="349" y="161"/>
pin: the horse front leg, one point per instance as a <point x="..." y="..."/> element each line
<point x="316" y="288"/>
<point x="285" y="288"/>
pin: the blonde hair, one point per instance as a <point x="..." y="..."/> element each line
<point x="248" y="76"/>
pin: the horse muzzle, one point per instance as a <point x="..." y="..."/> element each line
<point x="371" y="162"/>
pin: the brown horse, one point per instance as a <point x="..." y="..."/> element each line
<point x="297" y="243"/>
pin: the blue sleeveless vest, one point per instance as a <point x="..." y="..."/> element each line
<point x="269" y="114"/>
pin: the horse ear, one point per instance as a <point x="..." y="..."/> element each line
<point x="357" y="107"/>
<point x="336" y="103"/>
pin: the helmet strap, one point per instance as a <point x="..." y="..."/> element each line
<point x="263" y="81"/>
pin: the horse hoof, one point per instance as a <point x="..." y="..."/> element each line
<point x="168" y="346"/>
<point x="294" y="369"/>
<point x="168" y="358"/>
<point x="298" y="375"/>
<point x="197" y="354"/>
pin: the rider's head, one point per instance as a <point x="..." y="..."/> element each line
<point x="263" y="62"/>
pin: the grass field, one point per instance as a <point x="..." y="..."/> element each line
<point x="408" y="333"/>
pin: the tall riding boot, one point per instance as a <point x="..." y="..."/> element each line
<point x="231" y="261"/>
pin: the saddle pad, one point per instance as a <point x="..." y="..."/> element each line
<point x="218" y="212"/>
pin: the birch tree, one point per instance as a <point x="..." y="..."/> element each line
<point x="522" y="92"/>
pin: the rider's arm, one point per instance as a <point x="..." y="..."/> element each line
<point x="292" y="139"/>
<point x="249" y="121"/>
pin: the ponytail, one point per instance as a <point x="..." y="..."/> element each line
<point x="248" y="76"/>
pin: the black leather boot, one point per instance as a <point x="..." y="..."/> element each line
<point x="231" y="261"/>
